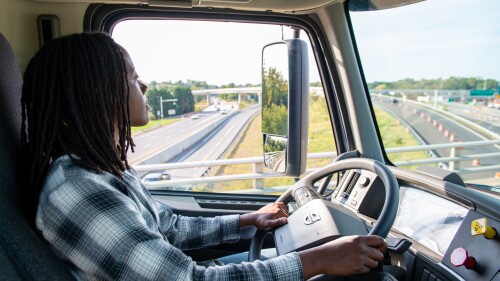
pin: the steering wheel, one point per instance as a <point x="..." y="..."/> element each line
<point x="337" y="220"/>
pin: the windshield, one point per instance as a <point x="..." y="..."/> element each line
<point x="204" y="91"/>
<point x="433" y="71"/>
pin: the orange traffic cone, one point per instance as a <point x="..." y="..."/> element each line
<point x="452" y="137"/>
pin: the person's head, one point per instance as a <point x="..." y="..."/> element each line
<point x="81" y="95"/>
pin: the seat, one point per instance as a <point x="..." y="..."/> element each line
<point x="24" y="255"/>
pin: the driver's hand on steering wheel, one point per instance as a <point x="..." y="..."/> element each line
<point x="272" y="215"/>
<point x="347" y="255"/>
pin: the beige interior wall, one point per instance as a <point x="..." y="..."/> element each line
<point x="18" y="23"/>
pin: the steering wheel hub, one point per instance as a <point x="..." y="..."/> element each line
<point x="317" y="220"/>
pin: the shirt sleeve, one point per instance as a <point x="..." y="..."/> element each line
<point x="102" y="233"/>
<point x="196" y="232"/>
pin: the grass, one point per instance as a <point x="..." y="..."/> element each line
<point x="320" y="133"/>
<point x="250" y="145"/>
<point x="153" y="124"/>
<point x="199" y="106"/>
<point x="395" y="135"/>
<point x="320" y="140"/>
<point x="244" y="104"/>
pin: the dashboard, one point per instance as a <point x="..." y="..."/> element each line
<point x="429" y="220"/>
<point x="451" y="226"/>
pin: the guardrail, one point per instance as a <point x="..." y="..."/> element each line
<point x="258" y="175"/>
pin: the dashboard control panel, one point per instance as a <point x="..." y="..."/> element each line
<point x="355" y="186"/>
<point x="458" y="235"/>
<point x="474" y="253"/>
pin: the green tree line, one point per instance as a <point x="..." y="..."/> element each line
<point x="274" y="102"/>
<point x="196" y="85"/>
<point x="183" y="104"/>
<point x="451" y="83"/>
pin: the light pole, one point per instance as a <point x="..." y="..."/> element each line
<point x="161" y="104"/>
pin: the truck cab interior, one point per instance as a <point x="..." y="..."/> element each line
<point x="390" y="124"/>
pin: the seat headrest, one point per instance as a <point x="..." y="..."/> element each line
<point x="10" y="110"/>
<point x="11" y="84"/>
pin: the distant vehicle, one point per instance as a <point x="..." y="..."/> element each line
<point x="423" y="98"/>
<point x="394" y="100"/>
<point x="223" y="111"/>
<point x="151" y="177"/>
<point x="195" y="116"/>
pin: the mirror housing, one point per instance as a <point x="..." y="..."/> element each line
<point x="285" y="106"/>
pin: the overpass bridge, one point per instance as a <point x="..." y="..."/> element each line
<point x="221" y="91"/>
<point x="432" y="94"/>
<point x="244" y="90"/>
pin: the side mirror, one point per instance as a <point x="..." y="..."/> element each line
<point x="285" y="106"/>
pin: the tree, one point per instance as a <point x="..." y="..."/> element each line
<point x="153" y="95"/>
<point x="451" y="83"/>
<point x="185" y="100"/>
<point x="274" y="102"/>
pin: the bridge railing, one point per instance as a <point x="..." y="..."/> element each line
<point x="451" y="162"/>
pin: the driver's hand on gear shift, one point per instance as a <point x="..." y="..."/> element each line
<point x="344" y="256"/>
<point x="269" y="216"/>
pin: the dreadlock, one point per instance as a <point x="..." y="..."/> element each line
<point x="74" y="91"/>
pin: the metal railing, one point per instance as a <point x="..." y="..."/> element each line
<point x="258" y="175"/>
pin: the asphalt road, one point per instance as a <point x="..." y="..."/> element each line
<point x="479" y="114"/>
<point x="435" y="128"/>
<point x="211" y="147"/>
<point x="151" y="142"/>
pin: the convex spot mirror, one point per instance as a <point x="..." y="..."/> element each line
<point x="285" y="104"/>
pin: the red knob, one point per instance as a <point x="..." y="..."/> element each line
<point x="460" y="257"/>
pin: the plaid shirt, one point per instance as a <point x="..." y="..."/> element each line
<point x="114" y="230"/>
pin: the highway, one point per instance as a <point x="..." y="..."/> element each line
<point x="151" y="142"/>
<point x="434" y="128"/>
<point x="431" y="126"/>
<point x="481" y="115"/>
<point x="210" y="147"/>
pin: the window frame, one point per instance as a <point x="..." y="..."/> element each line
<point x="104" y="17"/>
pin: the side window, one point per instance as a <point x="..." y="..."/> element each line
<point x="204" y="83"/>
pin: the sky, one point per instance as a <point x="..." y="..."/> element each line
<point x="431" y="39"/>
<point x="428" y="40"/>
<point x="181" y="50"/>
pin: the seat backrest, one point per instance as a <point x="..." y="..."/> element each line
<point x="23" y="254"/>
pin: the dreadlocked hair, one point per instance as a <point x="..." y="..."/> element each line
<point x="75" y="89"/>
